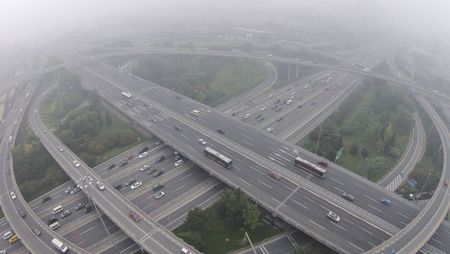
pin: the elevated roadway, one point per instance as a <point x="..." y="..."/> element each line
<point x="255" y="164"/>
<point x="151" y="236"/>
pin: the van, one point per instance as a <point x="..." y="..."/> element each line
<point x="57" y="209"/>
<point x="55" y="225"/>
<point x="7" y="235"/>
<point x="59" y="245"/>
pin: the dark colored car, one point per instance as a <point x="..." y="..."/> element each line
<point x="178" y="128"/>
<point x="161" y="159"/>
<point x="151" y="171"/>
<point x="52" y="220"/>
<point x="80" y="206"/>
<point x="65" y="214"/>
<point x="21" y="212"/>
<point x="112" y="166"/>
<point x="45" y="199"/>
<point x="347" y="196"/>
<point x="323" y="164"/>
<point x="158" y="187"/>
<point x="36" y="231"/>
<point x="158" y="173"/>
<point x="118" y="187"/>
<point x="220" y="131"/>
<point x="145" y="149"/>
<point x="124" y="163"/>
<point x="130" y="182"/>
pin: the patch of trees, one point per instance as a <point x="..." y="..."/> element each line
<point x="376" y="113"/>
<point x="35" y="169"/>
<point x="235" y="208"/>
<point x="210" y="80"/>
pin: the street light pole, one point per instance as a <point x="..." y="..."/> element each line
<point x="85" y="185"/>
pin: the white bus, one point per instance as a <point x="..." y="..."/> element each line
<point x="57" y="209"/>
<point x="59" y="245"/>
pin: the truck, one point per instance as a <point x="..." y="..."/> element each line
<point x="59" y="246"/>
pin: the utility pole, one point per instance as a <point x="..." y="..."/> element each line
<point x="250" y="241"/>
<point x="84" y="184"/>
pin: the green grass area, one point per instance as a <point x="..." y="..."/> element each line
<point x="372" y="126"/>
<point x="428" y="171"/>
<point x="210" y="80"/>
<point x="84" y="124"/>
<point x="35" y="169"/>
<point x="1" y="213"/>
<point x="215" y="231"/>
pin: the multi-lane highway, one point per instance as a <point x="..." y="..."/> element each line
<point x="150" y="235"/>
<point x="220" y="122"/>
<point x="160" y="109"/>
<point x="23" y="227"/>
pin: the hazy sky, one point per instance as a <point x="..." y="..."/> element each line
<point x="27" y="21"/>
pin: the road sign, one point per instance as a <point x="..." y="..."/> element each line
<point x="339" y="154"/>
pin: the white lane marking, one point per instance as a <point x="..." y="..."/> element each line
<point x="338" y="189"/>
<point x="296" y="202"/>
<point x="249" y="144"/>
<point x="244" y="181"/>
<point x="313" y="222"/>
<point x="126" y="249"/>
<point x="361" y="250"/>
<point x="265" y="184"/>
<point x="276" y="200"/>
<point x="334" y="180"/>
<point x="375" y="208"/>
<point x="87" y="230"/>
<point x="180" y="188"/>
<point x="338" y="226"/>
<point x="401" y="214"/>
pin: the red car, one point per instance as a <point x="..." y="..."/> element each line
<point x="274" y="175"/>
<point x="323" y="164"/>
<point x="136" y="217"/>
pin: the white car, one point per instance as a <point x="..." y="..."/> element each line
<point x="136" y="185"/>
<point x="60" y="149"/>
<point x="144" y="168"/>
<point x="333" y="216"/>
<point x="76" y="163"/>
<point x="142" y="155"/>
<point x="179" y="163"/>
<point x="288" y="102"/>
<point x="269" y="130"/>
<point x="247" y="116"/>
<point x="100" y="186"/>
<point x="201" y="141"/>
<point x="13" y="195"/>
<point x="159" y="194"/>
<point x="263" y="108"/>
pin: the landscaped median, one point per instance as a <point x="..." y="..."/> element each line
<point x="369" y="132"/>
<point x="81" y="121"/>
<point x="221" y="228"/>
<point x="209" y="80"/>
